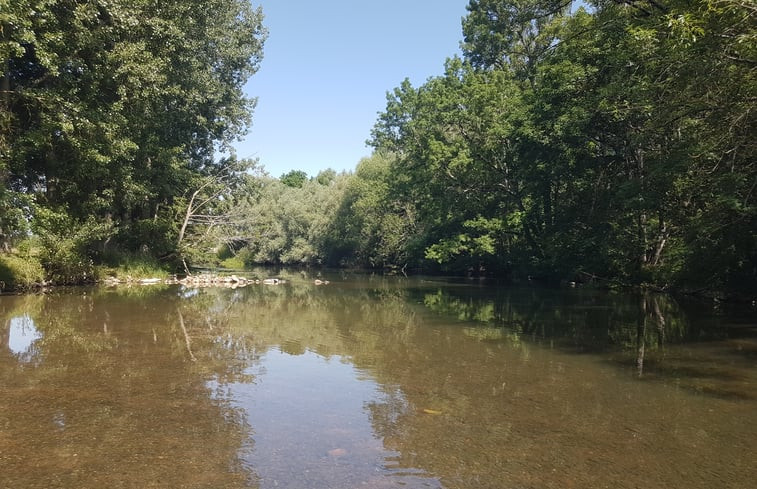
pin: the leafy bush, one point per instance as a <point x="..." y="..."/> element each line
<point x="17" y="272"/>
<point x="66" y="245"/>
<point x="233" y="263"/>
<point x="125" y="264"/>
<point x="157" y="237"/>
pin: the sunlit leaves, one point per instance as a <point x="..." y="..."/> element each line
<point x="610" y="140"/>
<point x="114" y="109"/>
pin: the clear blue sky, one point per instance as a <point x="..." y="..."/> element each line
<point x="327" y="67"/>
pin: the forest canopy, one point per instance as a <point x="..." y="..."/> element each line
<point x="606" y="140"/>
<point x="112" y="113"/>
<point x="613" y="140"/>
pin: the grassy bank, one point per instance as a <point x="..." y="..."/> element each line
<point x="23" y="270"/>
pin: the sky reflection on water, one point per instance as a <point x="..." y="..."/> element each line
<point x="22" y="335"/>
<point x="312" y="426"/>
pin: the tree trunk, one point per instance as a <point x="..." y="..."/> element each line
<point x="662" y="238"/>
<point x="187" y="217"/>
<point x="642" y="218"/>
<point x="641" y="329"/>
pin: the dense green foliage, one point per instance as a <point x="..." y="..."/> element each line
<point x="286" y="224"/>
<point x="294" y="178"/>
<point x="611" y="139"/>
<point x="111" y="114"/>
<point x="616" y="142"/>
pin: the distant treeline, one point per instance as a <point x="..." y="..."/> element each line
<point x="610" y="140"/>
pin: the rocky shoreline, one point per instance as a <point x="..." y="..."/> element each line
<point x="201" y="280"/>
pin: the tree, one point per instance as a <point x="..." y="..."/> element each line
<point x="457" y="141"/>
<point x="294" y="178"/>
<point x="610" y="142"/>
<point x="514" y="34"/>
<point x="374" y="225"/>
<point x="282" y="224"/>
<point x="215" y="213"/>
<point x="114" y="109"/>
<point x="326" y="177"/>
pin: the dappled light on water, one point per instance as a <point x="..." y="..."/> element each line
<point x="374" y="382"/>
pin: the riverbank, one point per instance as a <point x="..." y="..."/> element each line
<point x="20" y="274"/>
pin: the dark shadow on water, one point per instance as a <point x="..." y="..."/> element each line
<point x="655" y="335"/>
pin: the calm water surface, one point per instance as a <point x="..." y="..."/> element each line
<point x="375" y="383"/>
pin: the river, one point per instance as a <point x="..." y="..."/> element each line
<point x="375" y="382"/>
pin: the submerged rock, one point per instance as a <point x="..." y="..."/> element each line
<point x="337" y="452"/>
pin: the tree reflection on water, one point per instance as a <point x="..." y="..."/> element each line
<point x="110" y="399"/>
<point x="473" y="386"/>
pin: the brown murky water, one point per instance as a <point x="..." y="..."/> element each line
<point x="374" y="383"/>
